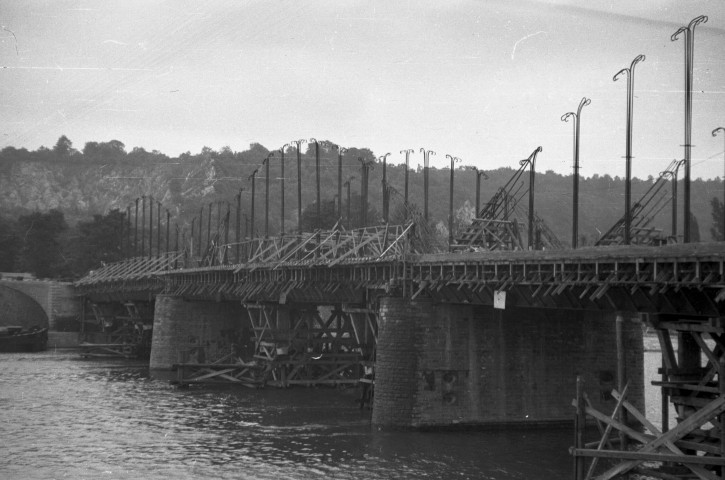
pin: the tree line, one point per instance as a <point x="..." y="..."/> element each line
<point x="51" y="244"/>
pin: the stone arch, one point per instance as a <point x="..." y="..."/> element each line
<point x="19" y="308"/>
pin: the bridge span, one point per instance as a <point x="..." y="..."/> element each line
<point x="461" y="338"/>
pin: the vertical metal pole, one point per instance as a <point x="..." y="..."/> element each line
<point x="532" y="176"/>
<point x="349" y="223"/>
<point x="266" y="197"/>
<point x="218" y="215"/>
<point x="168" y="221"/>
<point x="575" y="188"/>
<point x="340" y="151"/>
<point x="674" y="198"/>
<point x="191" y="237"/>
<point x="151" y="225"/>
<point x="135" y="231"/>
<point x="478" y="193"/>
<point x="143" y="226"/>
<point x="628" y="155"/>
<point x="317" y="181"/>
<point x="238" y="230"/>
<point x="127" y="252"/>
<point x="158" y="228"/>
<point x="363" y="193"/>
<point x="281" y="185"/>
<point x="385" y="187"/>
<point x="714" y="133"/>
<point x="426" y="161"/>
<point x="407" y="172"/>
<point x="450" y="202"/>
<point x="201" y="223"/>
<point x="226" y="231"/>
<point x="299" y="184"/>
<point x="251" y="216"/>
<point x="208" y="228"/>
<point x="425" y="185"/>
<point x="689" y="32"/>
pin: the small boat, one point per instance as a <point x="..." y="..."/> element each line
<point x="20" y="339"/>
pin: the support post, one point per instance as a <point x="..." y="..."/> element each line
<point x="579" y="424"/>
<point x="665" y="398"/>
<point x="721" y="417"/>
<point x="621" y="374"/>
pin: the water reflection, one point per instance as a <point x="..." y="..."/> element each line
<point x="72" y="418"/>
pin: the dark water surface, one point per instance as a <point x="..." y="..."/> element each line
<point x="64" y="417"/>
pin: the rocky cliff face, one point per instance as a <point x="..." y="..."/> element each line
<point x="83" y="189"/>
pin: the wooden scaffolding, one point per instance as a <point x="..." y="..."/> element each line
<point x="695" y="446"/>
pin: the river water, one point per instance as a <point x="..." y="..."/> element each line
<point x="65" y="417"/>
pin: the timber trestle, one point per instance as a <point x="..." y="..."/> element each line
<point x="301" y="345"/>
<point x="309" y="346"/>
<point x="692" y="381"/>
<point x="124" y="334"/>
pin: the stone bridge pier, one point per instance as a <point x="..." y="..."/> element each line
<point x="440" y="365"/>
<point x="187" y="330"/>
<point x="263" y="342"/>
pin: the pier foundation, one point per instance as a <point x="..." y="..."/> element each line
<point x="441" y="365"/>
<point x="194" y="331"/>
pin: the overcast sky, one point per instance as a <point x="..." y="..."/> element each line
<point x="486" y="81"/>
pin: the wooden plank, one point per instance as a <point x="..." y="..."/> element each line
<point x="643" y="420"/>
<point x="668" y="353"/>
<point x="695" y="420"/>
<point x="650" y="456"/>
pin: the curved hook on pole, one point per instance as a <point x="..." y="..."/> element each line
<point x="718" y="129"/>
<point x="565" y="117"/>
<point x="384" y="157"/>
<point x="696" y="21"/>
<point x="284" y="147"/>
<point x="299" y="142"/>
<point x="585" y="101"/>
<point x="679" y="164"/>
<point x="426" y="156"/>
<point x="532" y="157"/>
<point x="408" y="151"/>
<point x="680" y="30"/>
<point x="254" y="174"/>
<point x="619" y="73"/>
<point x="637" y="59"/>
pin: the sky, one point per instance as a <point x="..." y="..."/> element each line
<point x="484" y="81"/>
